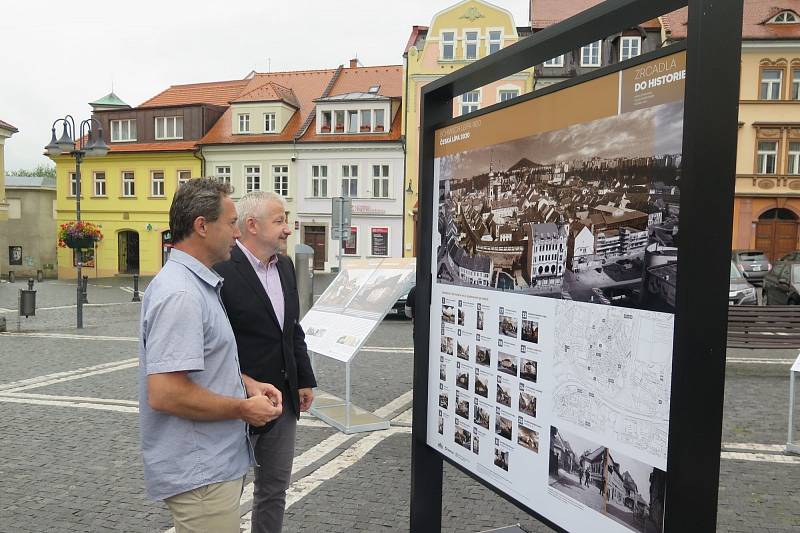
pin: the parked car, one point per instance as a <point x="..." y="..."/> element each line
<point x="740" y="291"/>
<point x="781" y="284"/>
<point x="753" y="264"/>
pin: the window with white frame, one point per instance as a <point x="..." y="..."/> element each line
<point x="590" y="54"/>
<point x="380" y="181"/>
<point x="352" y="121"/>
<point x="380" y="120"/>
<point x="280" y="179"/>
<point x="784" y="17"/>
<point x="269" y="122"/>
<point x="350" y="181"/>
<point x="366" y="121"/>
<point x="123" y="130"/>
<point x="767" y="157"/>
<point x="351" y="243"/>
<point x="326" y="122"/>
<point x="169" y="128"/>
<point x="470" y="102"/>
<point x="448" y="47"/>
<point x="73" y="184"/>
<point x="557" y="61"/>
<point x="183" y="177"/>
<point x="128" y="183"/>
<point x="629" y="47"/>
<point x="796" y="84"/>
<point x="338" y="121"/>
<point x="508" y="94"/>
<point x="252" y="178"/>
<point x="319" y="181"/>
<point x="471" y="45"/>
<point x="223" y="174"/>
<point x="793" y="164"/>
<point x="771" y="84"/>
<point x="99" y="179"/>
<point x="495" y="40"/>
<point x="244" y="122"/>
<point x="379" y="242"/>
<point x="157" y="183"/>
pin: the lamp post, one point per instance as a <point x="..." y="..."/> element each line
<point x="89" y="143"/>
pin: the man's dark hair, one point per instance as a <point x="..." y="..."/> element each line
<point x="200" y="197"/>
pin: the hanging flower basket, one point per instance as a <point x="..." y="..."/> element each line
<point x="79" y="235"/>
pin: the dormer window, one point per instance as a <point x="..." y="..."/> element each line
<point x="374" y="89"/>
<point x="244" y="123"/>
<point x="379" y="121"/>
<point x="352" y="121"/>
<point x="123" y="130"/>
<point x="338" y="124"/>
<point x="169" y="128"/>
<point x="269" y="122"/>
<point x="326" y="123"/>
<point x="785" y="17"/>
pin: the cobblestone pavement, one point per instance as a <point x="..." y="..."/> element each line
<point x="69" y="458"/>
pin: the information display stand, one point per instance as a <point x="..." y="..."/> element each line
<point x="792" y="445"/>
<point x="559" y="359"/>
<point x="341" y="321"/>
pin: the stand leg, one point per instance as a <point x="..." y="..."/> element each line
<point x="347" y="396"/>
<point x="790" y="439"/>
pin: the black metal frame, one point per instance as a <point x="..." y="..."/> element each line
<point x="709" y="157"/>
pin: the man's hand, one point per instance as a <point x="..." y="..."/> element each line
<point x="306" y="398"/>
<point x="258" y="410"/>
<point x="258" y="388"/>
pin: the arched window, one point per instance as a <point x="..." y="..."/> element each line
<point x="785" y="17"/>
<point x="778" y="214"/>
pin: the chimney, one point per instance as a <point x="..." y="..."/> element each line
<point x="354" y="62"/>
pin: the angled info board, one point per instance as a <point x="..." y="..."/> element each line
<point x="552" y="302"/>
<point x="354" y="304"/>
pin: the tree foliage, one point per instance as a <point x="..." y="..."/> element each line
<point x="42" y="170"/>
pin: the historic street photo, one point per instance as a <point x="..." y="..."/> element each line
<point x="528" y="438"/>
<point x="507" y="363"/>
<point x="615" y="485"/>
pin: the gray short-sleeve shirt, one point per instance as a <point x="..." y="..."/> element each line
<point x="184" y="328"/>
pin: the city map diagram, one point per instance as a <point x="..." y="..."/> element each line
<point x="612" y="368"/>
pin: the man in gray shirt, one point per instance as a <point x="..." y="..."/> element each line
<point x="193" y="406"/>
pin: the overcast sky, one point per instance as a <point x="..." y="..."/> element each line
<point x="58" y="56"/>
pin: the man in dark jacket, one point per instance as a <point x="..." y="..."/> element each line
<point x="260" y="296"/>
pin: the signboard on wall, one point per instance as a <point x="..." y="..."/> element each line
<point x="554" y="265"/>
<point x="379" y="241"/>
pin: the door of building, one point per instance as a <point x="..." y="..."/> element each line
<point x="776" y="233"/>
<point x="314" y="236"/>
<point x="128" y="252"/>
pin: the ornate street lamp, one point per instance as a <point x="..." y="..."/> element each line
<point x="89" y="143"/>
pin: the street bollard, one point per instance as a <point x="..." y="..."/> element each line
<point x="12" y="278"/>
<point x="85" y="290"/>
<point x="30" y="284"/>
<point x="136" y="297"/>
<point x="40" y="276"/>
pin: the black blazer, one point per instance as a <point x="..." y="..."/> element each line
<point x="265" y="352"/>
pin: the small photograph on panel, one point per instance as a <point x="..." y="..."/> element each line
<point x="528" y="438"/>
<point x="483" y="355"/>
<point x="316" y="332"/>
<point x="528" y="369"/>
<point x="462" y="350"/>
<point x="503" y="426"/>
<point x="462" y="406"/>
<point x="527" y="404"/>
<point x="501" y="458"/>
<point x="444" y="400"/>
<point x="482" y="416"/>
<point x="530" y="331"/>
<point x="507" y="363"/>
<point x="462" y="379"/>
<point x="348" y="340"/>
<point x="460" y="317"/>
<point x="448" y="314"/>
<point x="481" y="385"/>
<point x="503" y="394"/>
<point x="476" y="447"/>
<point x="508" y="326"/>
<point x="443" y="371"/>
<point x="479" y="323"/>
<point x="446" y="345"/>
<point x="624" y="489"/>
<point x="463" y="438"/>
<point x="441" y="425"/>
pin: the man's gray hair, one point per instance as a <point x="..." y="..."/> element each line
<point x="251" y="205"/>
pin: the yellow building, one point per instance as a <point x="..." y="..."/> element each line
<point x="128" y="193"/>
<point x="457" y="36"/>
<point x="766" y="212"/>
<point x="6" y="131"/>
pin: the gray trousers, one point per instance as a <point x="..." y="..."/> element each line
<point x="274" y="453"/>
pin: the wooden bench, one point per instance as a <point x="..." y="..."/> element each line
<point x="773" y="326"/>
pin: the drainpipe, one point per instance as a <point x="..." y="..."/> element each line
<point x="404" y="108"/>
<point x="199" y="155"/>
